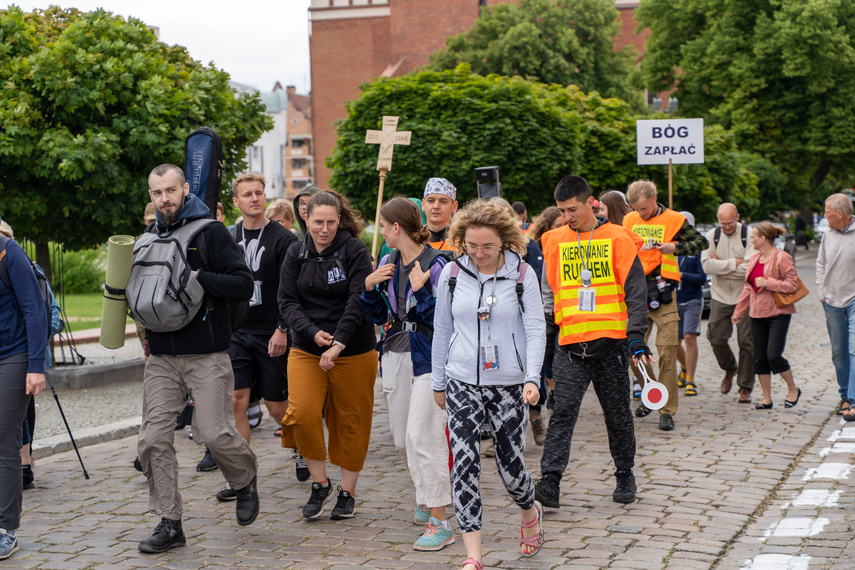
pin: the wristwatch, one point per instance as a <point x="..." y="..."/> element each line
<point x="282" y="329"/>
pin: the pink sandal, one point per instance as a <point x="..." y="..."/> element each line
<point x="536" y="540"/>
<point x="473" y="562"/>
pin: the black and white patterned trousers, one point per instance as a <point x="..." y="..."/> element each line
<point x="503" y="409"/>
<point x="572" y="377"/>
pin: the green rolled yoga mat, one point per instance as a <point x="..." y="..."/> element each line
<point x="120" y="257"/>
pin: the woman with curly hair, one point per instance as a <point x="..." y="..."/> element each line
<point x="488" y="346"/>
<point x="549" y="219"/>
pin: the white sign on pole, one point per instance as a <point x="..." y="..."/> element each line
<point x="679" y="140"/>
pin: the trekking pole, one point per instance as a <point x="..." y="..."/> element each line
<point x="61" y="413"/>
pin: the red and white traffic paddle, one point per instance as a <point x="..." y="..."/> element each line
<point x="655" y="394"/>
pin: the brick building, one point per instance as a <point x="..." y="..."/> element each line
<point x="298" y="154"/>
<point x="357" y="40"/>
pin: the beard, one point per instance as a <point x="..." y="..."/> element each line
<point x="170" y="216"/>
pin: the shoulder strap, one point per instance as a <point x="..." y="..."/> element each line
<point x="717" y="236"/>
<point x="452" y="280"/>
<point x="393" y="257"/>
<point x="234" y="231"/>
<point x="744" y="236"/>
<point x="4" y="270"/>
<point x="519" y="285"/>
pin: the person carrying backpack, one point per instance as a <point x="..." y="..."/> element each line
<point x="23" y="330"/>
<point x="487" y="352"/>
<point x="403" y="292"/>
<point x="332" y="365"/>
<point x="190" y="358"/>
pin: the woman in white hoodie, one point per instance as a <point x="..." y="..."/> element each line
<point x="488" y="343"/>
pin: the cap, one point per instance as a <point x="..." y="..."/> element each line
<point x="596" y="203"/>
<point x="440" y="186"/>
<point x="689" y="217"/>
<point x="150" y="213"/>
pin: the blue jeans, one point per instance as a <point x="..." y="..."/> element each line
<point x="841" y="331"/>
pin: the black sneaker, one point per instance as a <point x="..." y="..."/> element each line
<point x="247" y="504"/>
<point x="321" y="494"/>
<point x="138" y="465"/>
<point x="625" y="488"/>
<point x="168" y="534"/>
<point x="546" y="491"/>
<point x="550" y="401"/>
<point x="642" y="411"/>
<point x="345" y="505"/>
<point x="227" y="494"/>
<point x="300" y="467"/>
<point x="207" y="463"/>
<point x="666" y="422"/>
<point x="28" y="476"/>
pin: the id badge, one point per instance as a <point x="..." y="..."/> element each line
<point x="490" y="357"/>
<point x="256" y="295"/>
<point x="587" y="300"/>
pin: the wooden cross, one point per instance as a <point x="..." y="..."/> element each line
<point x="387" y="138"/>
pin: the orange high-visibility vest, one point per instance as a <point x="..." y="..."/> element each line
<point x="662" y="229"/>
<point x="441" y="245"/>
<point x="612" y="253"/>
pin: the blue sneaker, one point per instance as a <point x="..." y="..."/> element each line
<point x="422" y="515"/>
<point x="8" y="544"/>
<point x="436" y="537"/>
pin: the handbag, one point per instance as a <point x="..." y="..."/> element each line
<point x="787" y="299"/>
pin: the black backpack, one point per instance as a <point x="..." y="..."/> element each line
<point x="338" y="256"/>
<point x="44" y="289"/>
<point x="203" y="163"/>
<point x="717" y="236"/>
<point x="239" y="309"/>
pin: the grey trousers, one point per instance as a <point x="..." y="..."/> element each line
<point x="719" y="330"/>
<point x="13" y="407"/>
<point x="208" y="379"/>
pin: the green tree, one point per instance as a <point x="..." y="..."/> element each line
<point x="778" y="73"/>
<point x="535" y="133"/>
<point x="569" y="42"/>
<point x="89" y="104"/>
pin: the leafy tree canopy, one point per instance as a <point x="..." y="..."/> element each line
<point x="778" y="73"/>
<point x="535" y="133"/>
<point x="569" y="42"/>
<point x="89" y="104"/>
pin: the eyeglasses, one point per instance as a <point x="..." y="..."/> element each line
<point x="319" y="224"/>
<point x="486" y="249"/>
<point x="302" y="204"/>
<point x="727" y="224"/>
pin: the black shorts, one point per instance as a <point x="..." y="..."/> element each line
<point x="254" y="368"/>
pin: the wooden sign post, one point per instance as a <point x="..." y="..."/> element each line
<point x="387" y="139"/>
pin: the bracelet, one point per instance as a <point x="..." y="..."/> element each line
<point x="338" y="343"/>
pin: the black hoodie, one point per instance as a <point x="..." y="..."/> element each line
<point x="224" y="276"/>
<point x="321" y="296"/>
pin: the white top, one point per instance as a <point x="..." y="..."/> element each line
<point x="727" y="277"/>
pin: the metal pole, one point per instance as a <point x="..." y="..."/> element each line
<point x="670" y="184"/>
<point x="61" y="413"/>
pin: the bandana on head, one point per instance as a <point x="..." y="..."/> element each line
<point x="440" y="186"/>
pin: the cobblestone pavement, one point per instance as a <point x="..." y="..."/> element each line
<point x="731" y="487"/>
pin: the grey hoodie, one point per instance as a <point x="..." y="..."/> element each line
<point x="835" y="266"/>
<point x="458" y="334"/>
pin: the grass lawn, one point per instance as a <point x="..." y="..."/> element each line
<point x="84" y="311"/>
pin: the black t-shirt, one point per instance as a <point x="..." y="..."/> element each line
<point x="264" y="259"/>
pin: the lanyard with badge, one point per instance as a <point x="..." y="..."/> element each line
<point x="489" y="351"/>
<point x="256" y="293"/>
<point x="587" y="294"/>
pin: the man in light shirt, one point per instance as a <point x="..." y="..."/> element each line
<point x="835" y="276"/>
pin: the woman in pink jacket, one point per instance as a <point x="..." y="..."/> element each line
<point x="769" y="269"/>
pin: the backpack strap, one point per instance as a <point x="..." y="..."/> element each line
<point x="4" y="269"/>
<point x="717" y="236"/>
<point x="519" y="285"/>
<point x="744" y="236"/>
<point x="452" y="280"/>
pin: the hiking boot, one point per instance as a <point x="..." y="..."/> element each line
<point x="744" y="396"/>
<point x="227" y="494"/>
<point x="422" y="515"/>
<point x="538" y="430"/>
<point x="666" y="422"/>
<point x="207" y="463"/>
<point x="547" y="493"/>
<point x="321" y="494"/>
<point x="642" y="411"/>
<point x="436" y="536"/>
<point x="28" y="476"/>
<point x="625" y="488"/>
<point x="8" y="543"/>
<point x="345" y="506"/>
<point x="300" y="467"/>
<point x="247" y="505"/>
<point x="168" y="534"/>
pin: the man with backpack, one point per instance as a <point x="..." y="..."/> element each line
<point x="187" y="313"/>
<point x="24" y="329"/>
<point x="724" y="261"/>
<point x="259" y="348"/>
